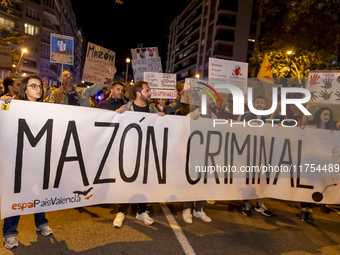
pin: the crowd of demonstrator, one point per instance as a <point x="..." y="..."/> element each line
<point x="33" y="88"/>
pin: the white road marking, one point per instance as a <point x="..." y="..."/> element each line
<point x="177" y="230"/>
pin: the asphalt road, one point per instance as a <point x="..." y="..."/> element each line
<point x="89" y="230"/>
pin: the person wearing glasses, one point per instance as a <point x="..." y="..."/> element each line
<point x="31" y="89"/>
<point x="70" y="95"/>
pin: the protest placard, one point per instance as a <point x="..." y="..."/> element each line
<point x="99" y="65"/>
<point x="61" y="49"/>
<point x="141" y="53"/>
<point x="139" y="66"/>
<point x="235" y="72"/>
<point x="5" y="58"/>
<point x="324" y="86"/>
<point x="162" y="85"/>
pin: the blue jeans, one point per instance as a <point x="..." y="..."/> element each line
<point x="11" y="224"/>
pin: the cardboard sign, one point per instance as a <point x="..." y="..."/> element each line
<point x="324" y="86"/>
<point x="139" y="66"/>
<point x="141" y="53"/>
<point x="99" y="64"/>
<point x="162" y="85"/>
<point x="62" y="49"/>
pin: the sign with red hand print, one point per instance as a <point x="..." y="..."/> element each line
<point x="324" y="86"/>
<point x="221" y="70"/>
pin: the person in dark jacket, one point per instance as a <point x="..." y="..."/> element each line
<point x="115" y="101"/>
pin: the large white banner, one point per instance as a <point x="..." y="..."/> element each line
<point x="55" y="157"/>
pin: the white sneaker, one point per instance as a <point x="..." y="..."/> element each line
<point x="187" y="216"/>
<point x="145" y="218"/>
<point x="45" y="231"/>
<point x="202" y="216"/>
<point x="118" y="222"/>
<point x="11" y="242"/>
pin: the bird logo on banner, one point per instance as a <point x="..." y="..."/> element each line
<point x="265" y="74"/>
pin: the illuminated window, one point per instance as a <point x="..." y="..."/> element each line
<point x="6" y="22"/>
<point x="30" y="29"/>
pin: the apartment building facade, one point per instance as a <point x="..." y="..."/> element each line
<point x="225" y="29"/>
<point x="38" y="19"/>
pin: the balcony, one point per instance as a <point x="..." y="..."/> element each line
<point x="45" y="55"/>
<point x="53" y="12"/>
<point x="14" y="12"/>
<point x="226" y="53"/>
<point x="225" y="36"/>
<point x="229" y="21"/>
<point x="185" y="14"/>
<point x="186" y="55"/>
<point x="187" y="44"/>
<point x="229" y="5"/>
<point x="45" y="40"/>
<point x="188" y="32"/>
<point x="50" y="26"/>
<point x="189" y="21"/>
<point x="189" y="64"/>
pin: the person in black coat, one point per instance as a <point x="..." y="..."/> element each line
<point x="115" y="101"/>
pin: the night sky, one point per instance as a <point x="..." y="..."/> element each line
<point x="121" y="27"/>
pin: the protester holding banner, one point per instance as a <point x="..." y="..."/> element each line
<point x="11" y="86"/>
<point x="31" y="89"/>
<point x="142" y="92"/>
<point x="198" y="211"/>
<point x="115" y="101"/>
<point x="323" y="119"/>
<point x="161" y="105"/>
<point x="69" y="95"/>
<point x="259" y="103"/>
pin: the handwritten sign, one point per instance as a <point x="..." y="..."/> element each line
<point x="5" y="57"/>
<point x="140" y="66"/>
<point x="99" y="64"/>
<point x="234" y="72"/>
<point x="162" y="85"/>
<point x="324" y="86"/>
<point x="61" y="49"/>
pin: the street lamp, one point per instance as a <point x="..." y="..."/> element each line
<point x="127" y="69"/>
<point x="197" y="76"/>
<point x="22" y="53"/>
